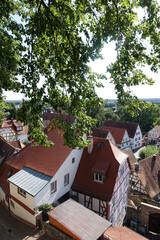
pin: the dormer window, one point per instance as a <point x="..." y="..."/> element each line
<point x="98" y="178"/>
<point x="19" y="128"/>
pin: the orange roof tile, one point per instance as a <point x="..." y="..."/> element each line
<point x="46" y="160"/>
<point x="148" y="174"/>
<point x="104" y="159"/>
<point x="131" y="127"/>
<point x="117" y="133"/>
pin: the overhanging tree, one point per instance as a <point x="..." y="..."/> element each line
<point x="61" y="38"/>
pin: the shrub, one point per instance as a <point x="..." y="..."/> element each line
<point x="45" y="207"/>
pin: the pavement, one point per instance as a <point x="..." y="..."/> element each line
<point x="13" y="229"/>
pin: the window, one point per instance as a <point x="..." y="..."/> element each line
<point x="73" y="160"/>
<point x="22" y="192"/>
<point x="12" y="204"/>
<point x="20" y="128"/>
<point x="53" y="187"/>
<point x="113" y="201"/>
<point x="99" y="178"/>
<point x="9" y="173"/>
<point x="66" y="179"/>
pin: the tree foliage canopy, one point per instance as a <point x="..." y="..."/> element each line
<point x="148" y="151"/>
<point x="51" y="46"/>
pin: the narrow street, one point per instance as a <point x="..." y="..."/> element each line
<point x="13" y="229"/>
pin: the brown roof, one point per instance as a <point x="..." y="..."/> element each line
<point x="46" y="160"/>
<point x="99" y="132"/>
<point x="124" y="233"/>
<point x="17" y="144"/>
<point x="148" y="175"/>
<point x="131" y="157"/>
<point x="79" y="221"/>
<point x="117" y="133"/>
<point x="104" y="159"/>
<point x="131" y="127"/>
<point x="65" y="117"/>
<point x="14" y="124"/>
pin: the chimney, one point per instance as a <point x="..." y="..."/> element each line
<point x="90" y="145"/>
<point x="154" y="157"/>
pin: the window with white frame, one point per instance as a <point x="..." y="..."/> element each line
<point x="53" y="187"/>
<point x="22" y="192"/>
<point x="66" y="179"/>
<point x="99" y="178"/>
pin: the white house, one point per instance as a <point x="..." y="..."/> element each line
<point x="121" y="137"/>
<point x="43" y="176"/>
<point x="154" y="134"/>
<point x="133" y="130"/>
<point x="101" y="181"/>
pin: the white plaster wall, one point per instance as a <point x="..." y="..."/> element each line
<point x="125" y="141"/>
<point x="137" y="143"/>
<point x="20" y="212"/>
<point x="81" y="198"/>
<point x="45" y="195"/>
<point x="96" y="204"/>
<point x="120" y="191"/>
<point x="28" y="200"/>
<point x="110" y="138"/>
<point x="22" y="137"/>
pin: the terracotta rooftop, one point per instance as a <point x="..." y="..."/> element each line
<point x="130" y="127"/>
<point x="14" y="124"/>
<point x="105" y="159"/>
<point x="117" y="233"/>
<point x="117" y="133"/>
<point x="78" y="221"/>
<point x="46" y="160"/>
<point x="99" y="132"/>
<point x="149" y="174"/>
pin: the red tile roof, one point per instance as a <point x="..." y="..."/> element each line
<point x="148" y="174"/>
<point x="124" y="233"/>
<point x="105" y="159"/>
<point x="117" y="133"/>
<point x="99" y="132"/>
<point x="14" y="124"/>
<point x="131" y="127"/>
<point x="46" y="160"/>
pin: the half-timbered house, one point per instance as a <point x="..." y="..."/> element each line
<point x="145" y="178"/>
<point x="12" y="130"/>
<point x="101" y="181"/>
<point x="133" y="130"/>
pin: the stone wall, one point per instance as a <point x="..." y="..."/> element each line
<point x="141" y="213"/>
<point x="146" y="210"/>
<point x="54" y="233"/>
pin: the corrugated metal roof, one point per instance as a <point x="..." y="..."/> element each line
<point x="30" y="180"/>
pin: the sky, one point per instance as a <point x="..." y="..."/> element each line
<point x="108" y="92"/>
